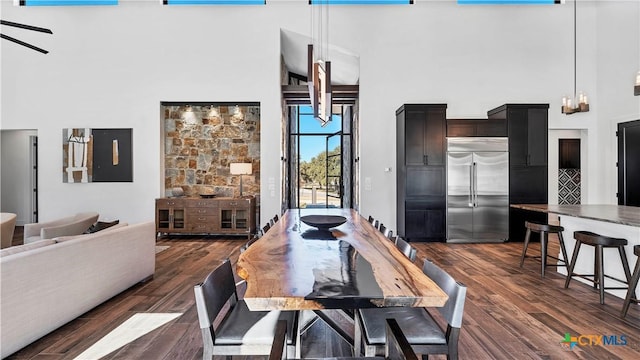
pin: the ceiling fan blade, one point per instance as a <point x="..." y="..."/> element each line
<point x="3" y="36"/>
<point x="27" y="27"/>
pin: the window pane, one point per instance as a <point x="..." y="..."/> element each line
<point x="507" y="2"/>
<point x="67" y="2"/>
<point x="361" y="2"/>
<point x="213" y="2"/>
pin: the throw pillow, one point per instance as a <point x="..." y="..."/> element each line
<point x="101" y="225"/>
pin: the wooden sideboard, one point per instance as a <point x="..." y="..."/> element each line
<point x="222" y="216"/>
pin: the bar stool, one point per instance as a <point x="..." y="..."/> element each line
<point x="599" y="242"/>
<point x="544" y="230"/>
<point x="631" y="293"/>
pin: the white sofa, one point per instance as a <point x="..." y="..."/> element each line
<point x="50" y="282"/>
<point x="70" y="225"/>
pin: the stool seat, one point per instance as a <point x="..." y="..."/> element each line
<point x="599" y="242"/>
<point x="593" y="239"/>
<point x="543" y="227"/>
<point x="544" y="230"/>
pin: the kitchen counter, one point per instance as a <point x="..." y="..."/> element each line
<point x="609" y="220"/>
<point x="618" y="214"/>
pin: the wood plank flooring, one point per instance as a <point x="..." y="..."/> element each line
<point x="510" y="313"/>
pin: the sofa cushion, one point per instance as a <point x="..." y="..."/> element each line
<point x="26" y="247"/>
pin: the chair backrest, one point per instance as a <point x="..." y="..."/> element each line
<point x="370" y="219"/>
<point x="213" y="293"/>
<point x="266" y="228"/>
<point x="249" y="243"/>
<point x="382" y="228"/>
<point x="276" y="218"/>
<point x="453" y="310"/>
<point x="376" y="224"/>
<point x="408" y="250"/>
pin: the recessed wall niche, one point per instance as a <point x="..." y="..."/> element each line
<point x="201" y="140"/>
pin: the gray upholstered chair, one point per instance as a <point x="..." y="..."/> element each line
<point x="241" y="331"/>
<point x="397" y="347"/>
<point x="8" y="226"/>
<point x="71" y="225"/>
<point x="408" y="250"/>
<point x="422" y="331"/>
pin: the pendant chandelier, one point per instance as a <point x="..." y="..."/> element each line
<point x="318" y="67"/>
<point x="579" y="101"/>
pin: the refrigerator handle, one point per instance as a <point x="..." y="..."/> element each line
<point x="471" y="185"/>
<point x="475" y="184"/>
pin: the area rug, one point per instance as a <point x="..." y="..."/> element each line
<point x="161" y="248"/>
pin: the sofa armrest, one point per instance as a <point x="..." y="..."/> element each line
<point x="76" y="227"/>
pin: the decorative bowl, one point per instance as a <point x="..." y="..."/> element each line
<point x="323" y="222"/>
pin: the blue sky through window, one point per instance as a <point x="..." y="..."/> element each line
<point x="311" y="146"/>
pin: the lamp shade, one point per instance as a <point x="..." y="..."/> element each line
<point x="240" y="168"/>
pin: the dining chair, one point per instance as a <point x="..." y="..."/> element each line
<point x="376" y="224"/>
<point x="382" y="228"/>
<point x="266" y="228"/>
<point x="396" y="346"/>
<point x="276" y="218"/>
<point x="390" y="236"/>
<point x="420" y="328"/>
<point x="370" y="219"/>
<point x="408" y="250"/>
<point x="244" y="247"/>
<point x="241" y="331"/>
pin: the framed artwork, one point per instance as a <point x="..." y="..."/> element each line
<point x="97" y="155"/>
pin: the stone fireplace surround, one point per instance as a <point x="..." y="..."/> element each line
<point x="201" y="140"/>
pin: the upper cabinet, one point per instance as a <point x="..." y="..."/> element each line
<point x="424" y="134"/>
<point x="527" y="126"/>
<point x="476" y="127"/>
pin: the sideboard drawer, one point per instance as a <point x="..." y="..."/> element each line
<point x="202" y="211"/>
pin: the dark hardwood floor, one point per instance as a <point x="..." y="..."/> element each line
<point x="510" y="313"/>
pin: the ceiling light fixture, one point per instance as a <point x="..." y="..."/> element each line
<point x="579" y="102"/>
<point x="318" y="67"/>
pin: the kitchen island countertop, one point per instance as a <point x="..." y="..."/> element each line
<point x="617" y="214"/>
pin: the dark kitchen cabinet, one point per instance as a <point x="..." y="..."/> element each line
<point x="527" y="128"/>
<point x="425" y="131"/>
<point x="476" y="127"/>
<point x="421" y="171"/>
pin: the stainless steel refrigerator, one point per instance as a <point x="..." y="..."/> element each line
<point x="477" y="189"/>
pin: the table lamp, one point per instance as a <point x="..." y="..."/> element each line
<point x="240" y="169"/>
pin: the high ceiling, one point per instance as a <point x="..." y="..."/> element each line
<point x="345" y="66"/>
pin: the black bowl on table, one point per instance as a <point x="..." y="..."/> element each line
<point x="323" y="222"/>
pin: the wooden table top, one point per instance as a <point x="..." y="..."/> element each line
<point x="617" y="214"/>
<point x="297" y="267"/>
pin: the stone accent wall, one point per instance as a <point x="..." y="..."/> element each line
<point x="201" y="142"/>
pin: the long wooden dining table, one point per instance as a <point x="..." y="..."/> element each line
<point x="294" y="266"/>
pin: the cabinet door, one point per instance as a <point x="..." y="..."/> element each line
<point x="425" y="225"/>
<point x="537" y="134"/>
<point x="518" y="137"/>
<point x="435" y="135"/>
<point x="415" y="127"/>
<point x="425" y="181"/>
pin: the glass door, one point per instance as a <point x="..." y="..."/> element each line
<point x="333" y="166"/>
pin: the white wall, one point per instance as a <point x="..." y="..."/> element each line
<point x="16" y="191"/>
<point x="113" y="65"/>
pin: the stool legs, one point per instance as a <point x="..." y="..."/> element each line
<point x="574" y="257"/>
<point x="563" y="249"/>
<point x="631" y="292"/>
<point x="600" y="272"/>
<point x="525" y="246"/>
<point x="544" y="237"/>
